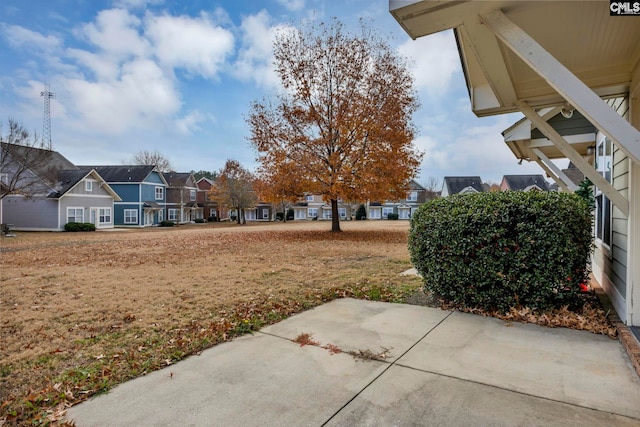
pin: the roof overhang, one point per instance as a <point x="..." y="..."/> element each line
<point x="601" y="50"/>
<point x="525" y="146"/>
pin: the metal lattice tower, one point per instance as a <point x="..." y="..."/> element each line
<point x="46" y="124"/>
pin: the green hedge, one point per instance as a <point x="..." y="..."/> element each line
<point x="392" y="216"/>
<point x="503" y="249"/>
<point x="167" y="223"/>
<point x="79" y="226"/>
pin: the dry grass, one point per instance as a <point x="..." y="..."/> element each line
<point x="84" y="311"/>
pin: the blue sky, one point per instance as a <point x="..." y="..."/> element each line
<point x="178" y="77"/>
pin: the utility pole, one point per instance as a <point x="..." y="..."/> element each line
<point x="46" y="124"/>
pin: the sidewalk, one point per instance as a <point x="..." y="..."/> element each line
<point x="435" y="367"/>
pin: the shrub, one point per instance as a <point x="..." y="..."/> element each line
<point x="290" y="214"/>
<point x="504" y="249"/>
<point x="199" y="221"/>
<point x="279" y="216"/>
<point x="167" y="223"/>
<point x="361" y="213"/>
<point x="79" y="226"/>
<point x="212" y="219"/>
<point x="392" y="216"/>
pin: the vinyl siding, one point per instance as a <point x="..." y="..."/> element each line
<point x="127" y="192"/>
<point x="610" y="264"/>
<point x="87" y="202"/>
<point x="30" y="213"/>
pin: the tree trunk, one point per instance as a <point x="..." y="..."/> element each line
<point x="335" y="218"/>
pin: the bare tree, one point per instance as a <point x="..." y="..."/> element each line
<point x="22" y="161"/>
<point x="145" y="157"/>
<point x="433" y="186"/>
<point x="234" y="188"/>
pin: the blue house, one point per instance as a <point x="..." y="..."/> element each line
<point x="142" y="190"/>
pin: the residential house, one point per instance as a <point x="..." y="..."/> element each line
<point x="416" y="196"/>
<point x="517" y="56"/>
<point x="46" y="194"/>
<point x="182" y="198"/>
<point x="262" y="211"/>
<point x="210" y="208"/>
<point x="142" y="190"/>
<point x="461" y="185"/>
<point x="524" y="183"/>
<point x="314" y="207"/>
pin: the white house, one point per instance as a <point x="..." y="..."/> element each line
<point x="549" y="58"/>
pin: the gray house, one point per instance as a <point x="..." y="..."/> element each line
<point x="46" y="193"/>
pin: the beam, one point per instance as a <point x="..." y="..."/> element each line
<point x="581" y="97"/>
<point x="554" y="171"/>
<point x="598" y="180"/>
<point x="486" y="50"/>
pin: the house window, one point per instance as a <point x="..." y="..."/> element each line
<point x="342" y="213"/>
<point x="604" y="158"/>
<point x="386" y="211"/>
<point x="75" y="215"/>
<point x="309" y="198"/>
<point x="160" y="216"/>
<point x="172" y="215"/>
<point x="265" y="213"/>
<point x="374" y="213"/>
<point x="159" y="193"/>
<point x="104" y="215"/>
<point x="312" y="212"/>
<point x="326" y="214"/>
<point x="412" y="196"/>
<point x="300" y="214"/>
<point x="192" y="195"/>
<point x="130" y="216"/>
<point x="88" y="186"/>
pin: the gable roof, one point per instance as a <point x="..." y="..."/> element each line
<point x="68" y="179"/>
<point x="179" y="179"/>
<point x="125" y="173"/>
<point x="455" y="184"/>
<point x="414" y="186"/>
<point x="44" y="163"/>
<point x="524" y="182"/>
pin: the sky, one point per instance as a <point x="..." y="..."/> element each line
<point x="178" y="77"/>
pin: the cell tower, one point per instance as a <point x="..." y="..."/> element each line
<point x="46" y="124"/>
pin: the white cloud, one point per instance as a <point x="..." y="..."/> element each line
<point x="20" y="37"/>
<point x="255" y="57"/>
<point x="136" y="4"/>
<point x="143" y="96"/>
<point x="194" y="44"/>
<point x="190" y="123"/>
<point x="435" y="61"/>
<point x="116" y="33"/>
<point x="292" y="5"/>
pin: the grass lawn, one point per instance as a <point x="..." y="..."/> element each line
<point x="82" y="312"/>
